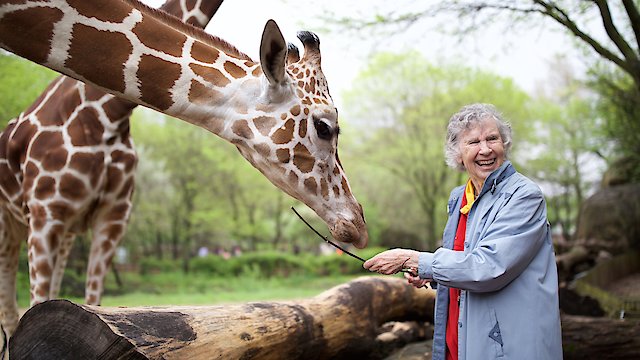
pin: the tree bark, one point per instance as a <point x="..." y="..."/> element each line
<point x="600" y="338"/>
<point x="340" y="323"/>
<point x="345" y="322"/>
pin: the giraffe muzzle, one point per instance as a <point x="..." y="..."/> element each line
<point x="352" y="232"/>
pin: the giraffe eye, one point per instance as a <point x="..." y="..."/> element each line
<point x="323" y="129"/>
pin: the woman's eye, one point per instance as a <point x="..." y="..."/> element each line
<point x="323" y="129"/>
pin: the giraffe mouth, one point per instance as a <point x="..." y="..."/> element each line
<point x="352" y="232"/>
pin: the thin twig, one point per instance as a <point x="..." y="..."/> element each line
<point x="338" y="247"/>
<point x="326" y="239"/>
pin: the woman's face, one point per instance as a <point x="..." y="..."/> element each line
<point x="482" y="151"/>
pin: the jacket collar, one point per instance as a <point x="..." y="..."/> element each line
<point x="496" y="177"/>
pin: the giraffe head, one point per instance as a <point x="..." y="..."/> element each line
<point x="296" y="147"/>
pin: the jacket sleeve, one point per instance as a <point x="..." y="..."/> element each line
<point x="506" y="248"/>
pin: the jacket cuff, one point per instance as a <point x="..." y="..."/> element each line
<point x="425" y="267"/>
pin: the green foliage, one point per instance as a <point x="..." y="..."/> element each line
<point x="21" y="82"/>
<point x="619" y="106"/>
<point x="404" y="102"/>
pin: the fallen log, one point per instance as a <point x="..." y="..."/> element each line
<point x="340" y="323"/>
<point x="585" y="337"/>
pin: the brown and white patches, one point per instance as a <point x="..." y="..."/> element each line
<point x="19" y="142"/>
<point x="283" y="155"/>
<point x="211" y="75"/>
<point x="104" y="63"/>
<point x="88" y="163"/>
<point x="29" y="35"/>
<point x="264" y="124"/>
<point x="285" y="133"/>
<point x="311" y="185"/>
<point x="234" y="70"/>
<point x="264" y="150"/>
<point x="71" y="187"/>
<point x="55" y="159"/>
<point x="109" y="14"/>
<point x="125" y="158"/>
<point x="44" y="142"/>
<point x="302" y="158"/>
<point x="241" y="128"/>
<point x="204" y="53"/>
<point x="60" y="105"/>
<point x="86" y="129"/>
<point x="156" y="77"/>
<point x="200" y="94"/>
<point x="169" y="43"/>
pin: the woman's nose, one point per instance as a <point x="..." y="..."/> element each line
<point x="484" y="147"/>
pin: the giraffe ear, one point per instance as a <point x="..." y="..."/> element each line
<point x="273" y="53"/>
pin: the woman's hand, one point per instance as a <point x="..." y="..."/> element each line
<point x="415" y="280"/>
<point x="392" y="261"/>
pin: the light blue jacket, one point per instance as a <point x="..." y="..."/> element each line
<point x="507" y="272"/>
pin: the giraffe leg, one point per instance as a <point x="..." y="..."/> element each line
<point x="108" y="230"/>
<point x="11" y="236"/>
<point x="60" y="265"/>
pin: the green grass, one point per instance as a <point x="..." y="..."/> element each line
<point x="196" y="289"/>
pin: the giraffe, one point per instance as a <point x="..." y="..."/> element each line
<point x="278" y="112"/>
<point x="91" y="132"/>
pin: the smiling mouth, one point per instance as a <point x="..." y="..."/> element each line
<point x="486" y="162"/>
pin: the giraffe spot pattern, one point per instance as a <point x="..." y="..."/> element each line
<point x="284" y="134"/>
<point x="105" y="59"/>
<point x="264" y="124"/>
<point x="204" y="53"/>
<point x="18" y="144"/>
<point x="263" y="150"/>
<point x="72" y="187"/>
<point x="302" y="130"/>
<point x="311" y="185"/>
<point x="283" y="155"/>
<point x="170" y="42"/>
<point x="302" y="158"/>
<point x="241" y="128"/>
<point x="234" y="70"/>
<point x="56" y="115"/>
<point x="200" y="94"/>
<point x="31" y="35"/>
<point x="60" y="210"/>
<point x="211" y="75"/>
<point x="45" y="141"/>
<point x="86" y="129"/>
<point x="109" y="14"/>
<point x="45" y="188"/>
<point x="156" y="76"/>
<point x="114" y="179"/>
<point x="38" y="216"/>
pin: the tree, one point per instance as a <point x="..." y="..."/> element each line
<point x="615" y="72"/>
<point x="406" y="103"/>
<point x="569" y="125"/>
<point x="21" y="82"/>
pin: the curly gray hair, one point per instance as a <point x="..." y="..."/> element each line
<point x="466" y="118"/>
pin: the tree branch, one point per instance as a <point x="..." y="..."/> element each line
<point x="634" y="18"/>
<point x="561" y="17"/>
<point x="613" y="33"/>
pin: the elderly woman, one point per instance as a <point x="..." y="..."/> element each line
<point x="496" y="277"/>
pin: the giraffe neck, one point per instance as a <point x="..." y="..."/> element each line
<point x="147" y="57"/>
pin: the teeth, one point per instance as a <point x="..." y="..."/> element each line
<point x="486" y="162"/>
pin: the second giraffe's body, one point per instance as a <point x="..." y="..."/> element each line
<point x="67" y="166"/>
